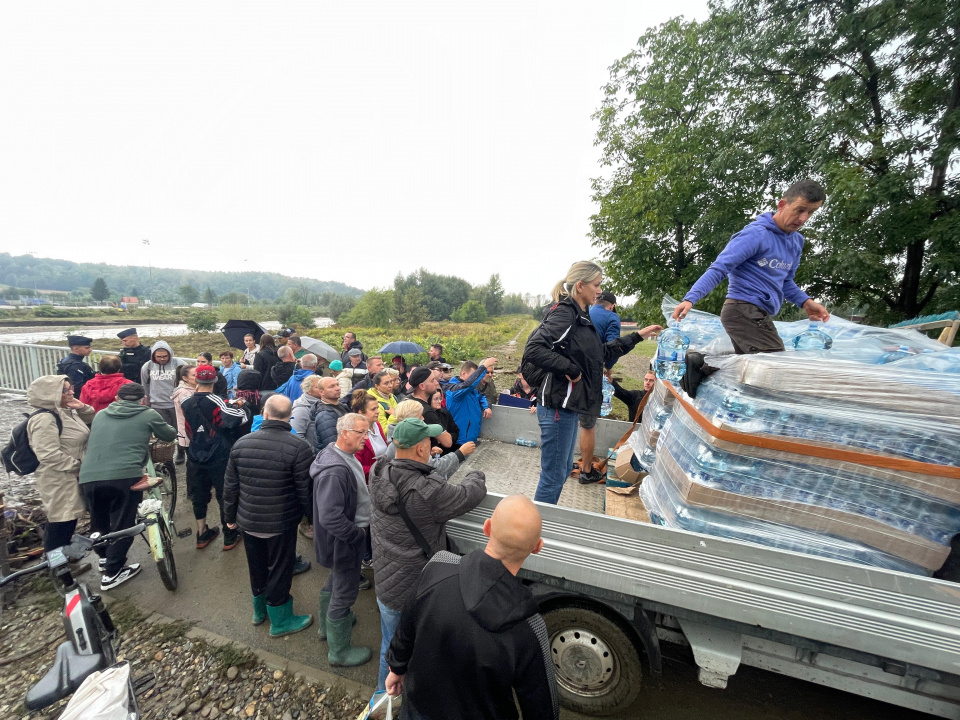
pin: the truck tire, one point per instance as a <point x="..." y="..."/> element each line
<point x="597" y="665"/>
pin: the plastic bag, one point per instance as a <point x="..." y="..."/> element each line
<point x="382" y="708"/>
<point x="102" y="696"/>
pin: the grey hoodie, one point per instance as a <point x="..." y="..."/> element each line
<point x="160" y="380"/>
<point x="301" y="420"/>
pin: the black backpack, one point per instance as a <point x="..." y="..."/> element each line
<point x="18" y="457"/>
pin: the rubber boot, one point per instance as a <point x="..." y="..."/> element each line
<point x="259" y="609"/>
<point x="341" y="652"/>
<point x="284" y="622"/>
<point x="324" y="604"/>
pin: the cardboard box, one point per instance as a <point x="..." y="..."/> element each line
<point x="829" y="521"/>
<point x="625" y="471"/>
<point x="625" y="503"/>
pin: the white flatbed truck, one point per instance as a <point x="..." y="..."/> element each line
<point x="612" y="590"/>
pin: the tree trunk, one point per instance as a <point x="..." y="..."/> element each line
<point x="680" y="261"/>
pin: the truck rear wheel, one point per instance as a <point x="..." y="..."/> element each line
<point x="597" y="665"/>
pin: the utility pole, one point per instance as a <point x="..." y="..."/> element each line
<point x="149" y="264"/>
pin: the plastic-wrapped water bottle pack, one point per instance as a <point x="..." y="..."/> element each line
<point x="803" y="452"/>
<point x="843" y="339"/>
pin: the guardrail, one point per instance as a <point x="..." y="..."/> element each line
<point x="21" y="364"/>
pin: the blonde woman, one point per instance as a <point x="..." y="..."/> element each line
<point x="186" y="387"/>
<point x="447" y="464"/>
<point x="564" y="360"/>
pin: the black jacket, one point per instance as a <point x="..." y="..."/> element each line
<point x="212" y="425"/>
<point x="77" y="371"/>
<point x="567" y="343"/>
<point x="468" y="638"/>
<point x="266" y="488"/>
<point x="263" y="363"/>
<point x="280" y="373"/>
<point x="325" y="423"/>
<point x="133" y="359"/>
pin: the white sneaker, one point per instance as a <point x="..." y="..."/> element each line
<point x="108" y="583"/>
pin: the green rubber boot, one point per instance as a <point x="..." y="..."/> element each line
<point x="259" y="609"/>
<point x="341" y="652"/>
<point x="324" y="604"/>
<point x="284" y="622"/>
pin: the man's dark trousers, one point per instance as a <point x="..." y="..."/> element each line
<point x="113" y="507"/>
<point x="344" y="587"/>
<point x="270" y="561"/>
<point x="201" y="479"/>
<point x="751" y="329"/>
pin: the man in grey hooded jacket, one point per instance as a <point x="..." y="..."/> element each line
<point x="159" y="378"/>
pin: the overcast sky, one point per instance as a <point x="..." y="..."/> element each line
<point x="340" y="141"/>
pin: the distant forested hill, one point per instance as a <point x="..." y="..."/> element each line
<point x="157" y="284"/>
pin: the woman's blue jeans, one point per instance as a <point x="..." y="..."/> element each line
<point x="558" y="436"/>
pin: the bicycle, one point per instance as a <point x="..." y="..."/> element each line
<point x="156" y="513"/>
<point x="90" y="631"/>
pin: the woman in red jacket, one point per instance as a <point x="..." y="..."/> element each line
<point x="101" y="390"/>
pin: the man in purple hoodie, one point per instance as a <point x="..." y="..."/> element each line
<point x="760" y="262"/>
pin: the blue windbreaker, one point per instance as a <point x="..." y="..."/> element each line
<point x="466" y="403"/>
<point x="291" y="388"/>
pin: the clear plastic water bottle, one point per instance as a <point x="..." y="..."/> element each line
<point x="813" y="339"/>
<point x="672" y="347"/>
<point x="607" y="405"/>
<point x="901" y="352"/>
<point x="525" y="442"/>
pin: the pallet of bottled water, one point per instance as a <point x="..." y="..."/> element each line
<point x="798" y="451"/>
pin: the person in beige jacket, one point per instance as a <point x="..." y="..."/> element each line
<point x="59" y="453"/>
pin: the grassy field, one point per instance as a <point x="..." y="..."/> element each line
<point x="461" y="341"/>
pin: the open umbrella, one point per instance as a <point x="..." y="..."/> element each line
<point x="234" y="330"/>
<point x="401" y="347"/>
<point x="319" y="348"/>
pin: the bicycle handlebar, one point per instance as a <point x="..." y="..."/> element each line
<point x="77" y="549"/>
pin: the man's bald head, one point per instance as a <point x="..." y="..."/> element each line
<point x="514" y="531"/>
<point x="277" y="407"/>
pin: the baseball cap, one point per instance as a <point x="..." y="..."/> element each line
<point x="421" y="374"/>
<point x="126" y="333"/>
<point x="131" y="391"/>
<point x="206" y="374"/>
<point x="446" y="366"/>
<point x="78" y="340"/>
<point x="609" y="297"/>
<point x="410" y="431"/>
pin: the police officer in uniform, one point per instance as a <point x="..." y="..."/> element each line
<point x="133" y="355"/>
<point x="73" y="366"/>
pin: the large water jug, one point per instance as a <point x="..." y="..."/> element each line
<point x="899" y="354"/>
<point x="670" y="362"/>
<point x="607" y="390"/>
<point x="813" y="339"/>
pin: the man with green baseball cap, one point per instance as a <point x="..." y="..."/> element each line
<point x="409" y="432"/>
<point x="411" y="504"/>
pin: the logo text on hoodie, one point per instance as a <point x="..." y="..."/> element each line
<point x="774" y="264"/>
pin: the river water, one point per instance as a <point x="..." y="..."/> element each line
<point x="58" y="334"/>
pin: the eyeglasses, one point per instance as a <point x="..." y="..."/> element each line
<point x="66" y="389"/>
<point x="359" y="432"/>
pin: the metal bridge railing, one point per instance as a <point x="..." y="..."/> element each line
<point x="21" y="364"/>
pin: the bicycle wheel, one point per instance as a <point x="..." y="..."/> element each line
<point x="168" y="488"/>
<point x="166" y="565"/>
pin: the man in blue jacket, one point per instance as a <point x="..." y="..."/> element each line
<point x="760" y="262"/>
<point x="291" y="388"/>
<point x="465" y="401"/>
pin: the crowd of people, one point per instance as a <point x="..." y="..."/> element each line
<point x="354" y="452"/>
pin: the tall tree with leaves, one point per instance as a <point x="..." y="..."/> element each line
<point x="209" y="297"/>
<point x="188" y="294"/>
<point x="863" y="95"/>
<point x="99" y="290"/>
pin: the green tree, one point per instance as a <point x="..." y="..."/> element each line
<point x="706" y="124"/>
<point x="208" y="297"/>
<point x="234" y="298"/>
<point x="188" y="294"/>
<point x="290" y="314"/>
<point x="471" y="311"/>
<point x="202" y="321"/>
<point x="494" y="298"/>
<point x="410" y="311"/>
<point x="374" y="309"/>
<point x="339" y="305"/>
<point x="514" y="304"/>
<point x="99" y="290"/>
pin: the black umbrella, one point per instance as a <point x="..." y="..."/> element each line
<point x="234" y="330"/>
